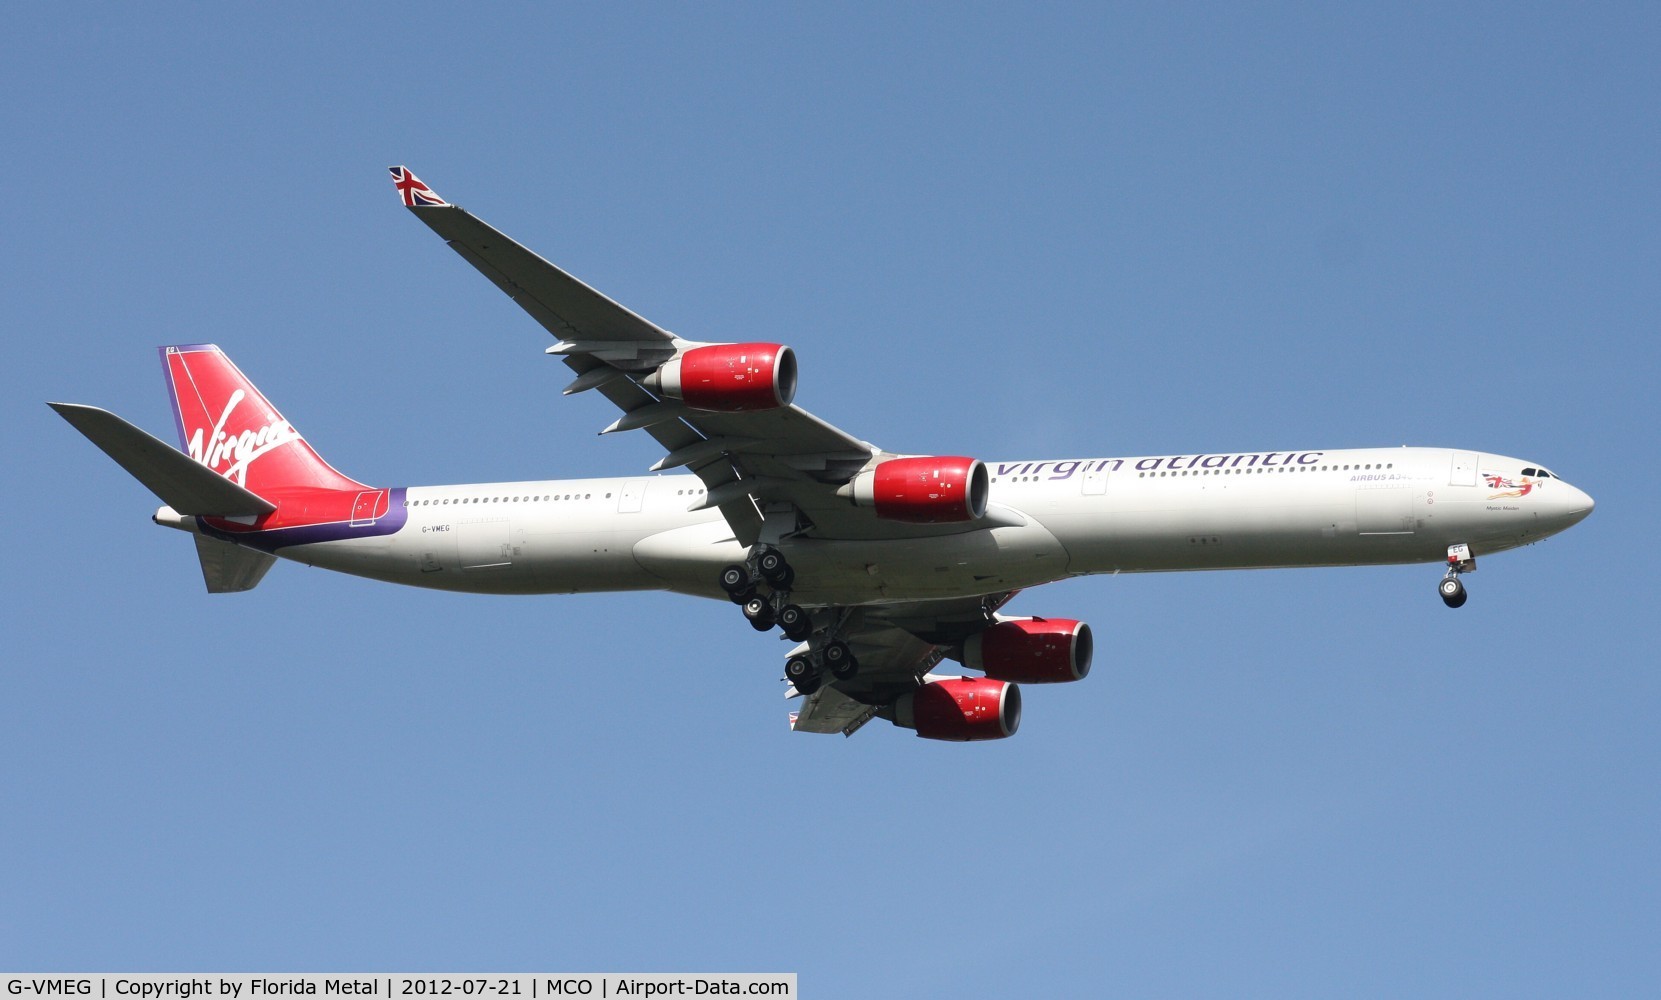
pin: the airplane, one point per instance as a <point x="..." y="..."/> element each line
<point x="878" y="565"/>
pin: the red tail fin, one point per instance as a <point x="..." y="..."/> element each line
<point x="230" y="427"/>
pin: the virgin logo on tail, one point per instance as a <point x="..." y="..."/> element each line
<point x="240" y="449"/>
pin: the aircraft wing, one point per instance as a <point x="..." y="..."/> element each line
<point x="773" y="469"/>
<point x="744" y="458"/>
<point x="573" y="312"/>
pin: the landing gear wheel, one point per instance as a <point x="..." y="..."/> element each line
<point x="798" y="670"/>
<point x="1452" y="591"/>
<point x="840" y="659"/>
<point x="735" y="580"/>
<point x="795" y="622"/>
<point x="759" y="612"/>
<point x="774" y="569"/>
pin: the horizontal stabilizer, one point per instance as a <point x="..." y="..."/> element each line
<point x="228" y="568"/>
<point x="180" y="481"/>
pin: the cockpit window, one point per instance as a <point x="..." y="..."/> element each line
<point x="1538" y="474"/>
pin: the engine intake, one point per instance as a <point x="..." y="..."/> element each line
<point x="961" y="709"/>
<point x="1032" y="650"/>
<point x="729" y="377"/>
<point x="929" y="489"/>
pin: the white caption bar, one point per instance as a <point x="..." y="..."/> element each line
<point x="402" y="986"/>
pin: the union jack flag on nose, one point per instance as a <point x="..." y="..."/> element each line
<point x="415" y="193"/>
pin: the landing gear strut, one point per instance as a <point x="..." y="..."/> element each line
<point x="1452" y="588"/>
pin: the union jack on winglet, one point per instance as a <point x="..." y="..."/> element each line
<point x="416" y="194"/>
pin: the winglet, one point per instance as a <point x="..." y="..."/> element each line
<point x="415" y="193"/>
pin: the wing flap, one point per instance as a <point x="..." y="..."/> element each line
<point x="828" y="710"/>
<point x="179" y="480"/>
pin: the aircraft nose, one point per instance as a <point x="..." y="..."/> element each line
<point x="1577" y="505"/>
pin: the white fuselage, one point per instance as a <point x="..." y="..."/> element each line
<point x="1055" y="519"/>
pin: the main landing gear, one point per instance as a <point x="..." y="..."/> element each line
<point x="766" y="568"/>
<point x="839" y="660"/>
<point x="1452" y="588"/>
<point x="807" y="672"/>
<point x="743" y="583"/>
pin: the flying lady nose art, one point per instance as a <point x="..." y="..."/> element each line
<point x="1511" y="487"/>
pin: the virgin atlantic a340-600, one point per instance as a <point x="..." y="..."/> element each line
<point x="878" y="565"/>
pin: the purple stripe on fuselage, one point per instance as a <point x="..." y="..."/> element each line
<point x="334" y="531"/>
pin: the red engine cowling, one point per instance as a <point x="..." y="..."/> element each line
<point x="729" y="377"/>
<point x="961" y="709"/>
<point x="1032" y="650"/>
<point x="925" y="490"/>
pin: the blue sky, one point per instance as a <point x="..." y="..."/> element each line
<point x="1011" y="232"/>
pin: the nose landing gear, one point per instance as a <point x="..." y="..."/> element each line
<point x="1451" y="588"/>
<point x="1452" y="591"/>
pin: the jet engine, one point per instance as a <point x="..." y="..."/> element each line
<point x="923" y="490"/>
<point x="1031" y="650"/>
<point x="961" y="709"/>
<point x="729" y="377"/>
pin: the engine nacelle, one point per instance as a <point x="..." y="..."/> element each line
<point x="729" y="377"/>
<point x="961" y="709"/>
<point x="1032" y="650"/>
<point x="926" y="490"/>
